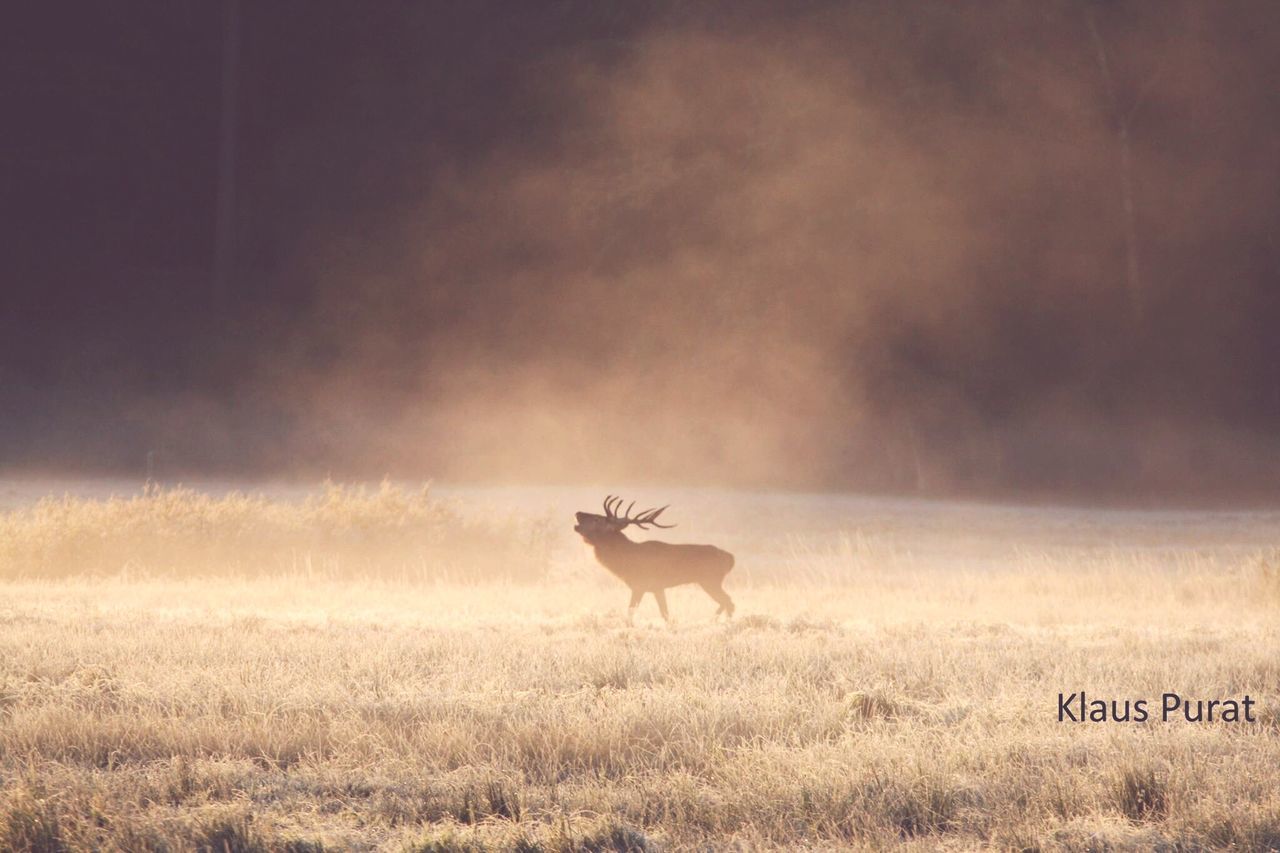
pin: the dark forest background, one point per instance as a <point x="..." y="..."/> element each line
<point x="952" y="248"/>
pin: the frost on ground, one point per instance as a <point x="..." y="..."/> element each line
<point x="893" y="677"/>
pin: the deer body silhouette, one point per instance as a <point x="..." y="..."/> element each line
<point x="653" y="566"/>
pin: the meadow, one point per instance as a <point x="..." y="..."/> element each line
<point x="400" y="669"/>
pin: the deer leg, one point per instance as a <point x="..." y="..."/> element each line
<point x="636" y="595"/>
<point x="727" y="604"/>
<point x="661" y="595"/>
<point x="716" y="591"/>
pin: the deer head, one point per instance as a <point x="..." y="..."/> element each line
<point x="592" y="526"/>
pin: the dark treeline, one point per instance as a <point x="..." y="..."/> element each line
<point x="939" y="247"/>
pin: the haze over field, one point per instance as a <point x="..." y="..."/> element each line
<point x="1008" y="248"/>
<point x="948" y="330"/>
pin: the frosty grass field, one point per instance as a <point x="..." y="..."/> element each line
<point x="388" y="668"/>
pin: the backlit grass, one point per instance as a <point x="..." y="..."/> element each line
<point x="873" y="701"/>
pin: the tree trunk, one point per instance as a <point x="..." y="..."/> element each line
<point x="224" y="228"/>
<point x="1121" y="117"/>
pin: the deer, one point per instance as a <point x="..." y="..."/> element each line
<point x="653" y="566"/>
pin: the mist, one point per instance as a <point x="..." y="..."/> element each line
<point x="1000" y="249"/>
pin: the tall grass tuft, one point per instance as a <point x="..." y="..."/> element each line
<point x="29" y="824"/>
<point x="1142" y="793"/>
<point x="338" y="531"/>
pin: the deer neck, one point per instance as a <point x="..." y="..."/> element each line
<point x="610" y="547"/>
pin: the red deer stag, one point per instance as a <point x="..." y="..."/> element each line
<point x="653" y="566"/>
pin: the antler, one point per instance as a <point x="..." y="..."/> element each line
<point x="643" y="520"/>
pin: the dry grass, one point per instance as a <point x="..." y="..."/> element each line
<point x="877" y="700"/>
<point x="338" y="531"/>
